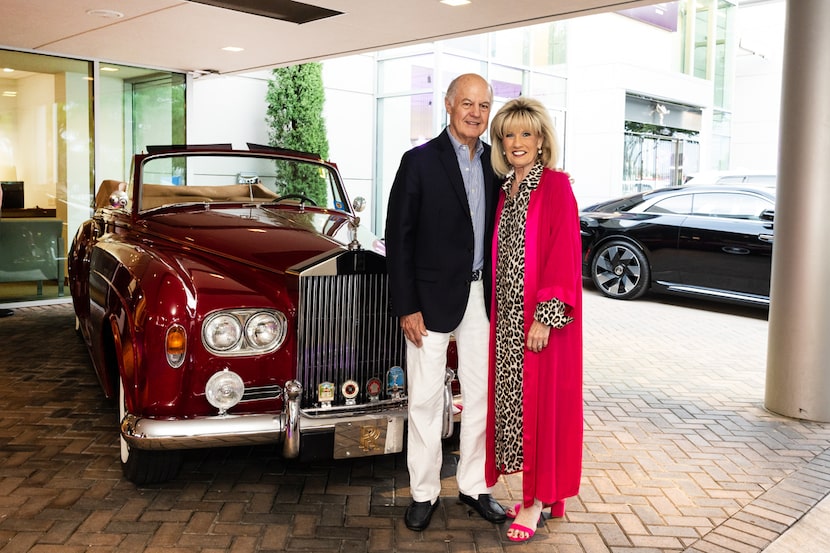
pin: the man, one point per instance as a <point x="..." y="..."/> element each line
<point x="438" y="233"/>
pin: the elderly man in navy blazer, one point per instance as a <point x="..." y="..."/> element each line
<point x="439" y="229"/>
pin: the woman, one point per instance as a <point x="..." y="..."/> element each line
<point x="535" y="412"/>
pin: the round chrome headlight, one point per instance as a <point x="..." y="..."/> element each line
<point x="222" y="332"/>
<point x="266" y="330"/>
<point x="224" y="390"/>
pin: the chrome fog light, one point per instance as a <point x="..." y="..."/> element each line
<point x="224" y="390"/>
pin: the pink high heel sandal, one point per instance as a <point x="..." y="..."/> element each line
<point x="557" y="510"/>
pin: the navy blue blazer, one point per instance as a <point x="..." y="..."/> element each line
<point x="429" y="234"/>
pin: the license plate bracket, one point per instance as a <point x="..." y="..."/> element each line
<point x="366" y="437"/>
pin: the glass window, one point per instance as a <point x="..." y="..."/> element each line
<point x="408" y="74"/>
<point x="45" y="146"/>
<point x="506" y="82"/>
<point x="47" y="139"/>
<point x="403" y="122"/>
<point x="733" y="206"/>
<point x="650" y="162"/>
<point x="721" y="139"/>
<point x="138" y="108"/>
<point x="475" y="44"/>
<point x="689" y="159"/>
<point x="549" y="89"/>
<point x="709" y="54"/>
<point x="453" y="66"/>
<point x="548" y="45"/>
<point x="681" y="205"/>
<point x="511" y="45"/>
<point x="157" y="106"/>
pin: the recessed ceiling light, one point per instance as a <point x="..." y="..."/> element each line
<point x="455" y="2"/>
<point x="9" y="93"/>
<point x="233" y="49"/>
<point x="111" y="69"/>
<point x="106" y="14"/>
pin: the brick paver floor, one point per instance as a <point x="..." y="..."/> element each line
<point x="680" y="456"/>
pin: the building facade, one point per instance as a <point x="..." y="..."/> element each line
<point x="641" y="99"/>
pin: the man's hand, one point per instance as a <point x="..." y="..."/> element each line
<point x="413" y="327"/>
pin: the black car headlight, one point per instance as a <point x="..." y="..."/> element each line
<point x="244" y="331"/>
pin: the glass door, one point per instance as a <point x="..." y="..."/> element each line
<point x="653" y="162"/>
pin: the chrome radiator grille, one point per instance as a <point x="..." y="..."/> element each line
<point x="346" y="332"/>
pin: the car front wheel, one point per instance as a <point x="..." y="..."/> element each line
<point x="141" y="466"/>
<point x="620" y="270"/>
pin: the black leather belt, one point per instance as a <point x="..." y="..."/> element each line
<point x="475" y="275"/>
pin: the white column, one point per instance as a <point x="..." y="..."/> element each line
<point x="798" y="356"/>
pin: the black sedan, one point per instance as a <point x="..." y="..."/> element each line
<point x="704" y="241"/>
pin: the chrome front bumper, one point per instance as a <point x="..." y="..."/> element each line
<point x="370" y="430"/>
<point x="374" y="429"/>
<point x="220" y="430"/>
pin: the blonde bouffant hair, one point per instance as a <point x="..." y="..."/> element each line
<point x="522" y="114"/>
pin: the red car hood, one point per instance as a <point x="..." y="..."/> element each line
<point x="274" y="238"/>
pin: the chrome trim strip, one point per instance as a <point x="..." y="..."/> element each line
<point x="320" y="423"/>
<point x="737" y="296"/>
<point x="319" y="265"/>
<point x="261" y="393"/>
<point x="342" y="411"/>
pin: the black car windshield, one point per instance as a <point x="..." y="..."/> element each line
<point x="619" y="204"/>
<point x="201" y="177"/>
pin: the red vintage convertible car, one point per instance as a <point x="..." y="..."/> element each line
<point x="231" y="297"/>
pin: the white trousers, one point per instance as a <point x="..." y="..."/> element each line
<point x="425" y="368"/>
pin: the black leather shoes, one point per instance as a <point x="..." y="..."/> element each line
<point x="486" y="506"/>
<point x="419" y="513"/>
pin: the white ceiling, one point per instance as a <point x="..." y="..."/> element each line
<point x="188" y="36"/>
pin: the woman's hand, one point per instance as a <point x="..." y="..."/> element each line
<point x="537" y="336"/>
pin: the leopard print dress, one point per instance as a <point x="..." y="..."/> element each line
<point x="510" y="336"/>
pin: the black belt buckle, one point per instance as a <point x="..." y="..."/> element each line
<point x="475" y="275"/>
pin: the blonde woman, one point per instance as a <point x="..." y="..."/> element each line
<point x="534" y="423"/>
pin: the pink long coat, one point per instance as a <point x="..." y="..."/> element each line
<point x="552" y="386"/>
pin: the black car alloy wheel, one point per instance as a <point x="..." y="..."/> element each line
<point x="620" y="270"/>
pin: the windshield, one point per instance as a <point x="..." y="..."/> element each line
<point x="238" y="177"/>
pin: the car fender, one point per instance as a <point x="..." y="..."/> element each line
<point x="77" y="265"/>
<point x="119" y="314"/>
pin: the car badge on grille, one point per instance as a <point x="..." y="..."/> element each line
<point x="325" y="394"/>
<point x="350" y="390"/>
<point x="395" y="382"/>
<point x="373" y="389"/>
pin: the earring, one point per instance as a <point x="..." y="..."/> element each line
<point x="539" y="151"/>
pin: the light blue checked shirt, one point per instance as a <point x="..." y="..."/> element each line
<point x="473" y="176"/>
